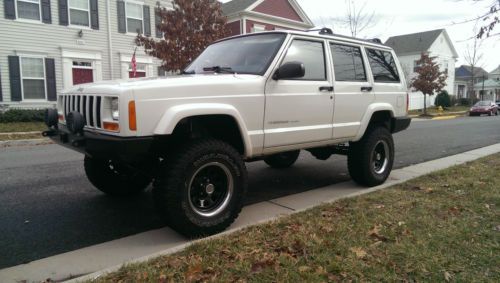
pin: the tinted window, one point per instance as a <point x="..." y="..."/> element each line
<point x="312" y="55"/>
<point x="383" y="66"/>
<point x="243" y="55"/>
<point x="348" y="63"/>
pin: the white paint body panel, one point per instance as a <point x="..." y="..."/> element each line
<point x="273" y="116"/>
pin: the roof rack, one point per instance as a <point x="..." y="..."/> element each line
<point x="376" y="40"/>
<point x="322" y="31"/>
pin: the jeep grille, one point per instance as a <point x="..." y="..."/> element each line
<point x="90" y="106"/>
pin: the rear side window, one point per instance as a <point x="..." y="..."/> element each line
<point x="348" y="63"/>
<point x="383" y="66"/>
<point x="312" y="55"/>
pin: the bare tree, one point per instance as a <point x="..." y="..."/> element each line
<point x="490" y="19"/>
<point x="357" y="19"/>
<point x="473" y="57"/>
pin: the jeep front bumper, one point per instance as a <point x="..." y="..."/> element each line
<point x="101" y="145"/>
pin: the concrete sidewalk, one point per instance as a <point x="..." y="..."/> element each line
<point x="110" y="256"/>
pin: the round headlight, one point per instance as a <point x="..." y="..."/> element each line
<point x="115" y="111"/>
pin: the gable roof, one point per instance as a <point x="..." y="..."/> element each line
<point x="496" y="71"/>
<point x="466" y="71"/>
<point x="488" y="84"/>
<point x="418" y="42"/>
<point x="246" y="6"/>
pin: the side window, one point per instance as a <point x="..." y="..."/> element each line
<point x="383" y="66"/>
<point x="312" y="55"/>
<point x="348" y="63"/>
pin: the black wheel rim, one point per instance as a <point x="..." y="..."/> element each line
<point x="380" y="157"/>
<point x="210" y="189"/>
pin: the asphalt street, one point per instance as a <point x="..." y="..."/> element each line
<point x="48" y="207"/>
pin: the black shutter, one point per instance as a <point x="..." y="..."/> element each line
<point x="50" y="76"/>
<point x="63" y="12"/>
<point x="158" y="32"/>
<point x="15" y="79"/>
<point x="94" y="14"/>
<point x="122" y="21"/>
<point x="46" y="13"/>
<point x="10" y="9"/>
<point x="147" y="21"/>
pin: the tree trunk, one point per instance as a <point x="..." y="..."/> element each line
<point x="425" y="104"/>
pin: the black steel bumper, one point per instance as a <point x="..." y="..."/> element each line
<point x="399" y="124"/>
<point x="101" y="145"/>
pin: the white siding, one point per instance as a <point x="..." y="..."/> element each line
<point x="51" y="40"/>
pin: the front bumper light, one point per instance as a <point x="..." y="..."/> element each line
<point x="115" y="109"/>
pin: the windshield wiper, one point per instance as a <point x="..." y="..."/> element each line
<point x="219" y="70"/>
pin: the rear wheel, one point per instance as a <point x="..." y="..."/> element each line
<point x="115" y="178"/>
<point x="282" y="160"/>
<point x="370" y="160"/>
<point x="200" y="190"/>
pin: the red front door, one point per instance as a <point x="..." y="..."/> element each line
<point x="82" y="76"/>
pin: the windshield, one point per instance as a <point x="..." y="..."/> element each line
<point x="243" y="55"/>
<point x="483" y="103"/>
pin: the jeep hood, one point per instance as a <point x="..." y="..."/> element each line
<point x="142" y="85"/>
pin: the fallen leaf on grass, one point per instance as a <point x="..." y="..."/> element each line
<point x="193" y="273"/>
<point x="496" y="228"/>
<point x="379" y="206"/>
<point x="258" y="266"/>
<point x="360" y="253"/>
<point x="447" y="276"/>
<point x="304" y="268"/>
<point x="375" y="233"/>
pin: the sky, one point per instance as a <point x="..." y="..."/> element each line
<point x="395" y="17"/>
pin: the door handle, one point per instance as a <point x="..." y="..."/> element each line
<point x="326" y="88"/>
<point x="366" y="88"/>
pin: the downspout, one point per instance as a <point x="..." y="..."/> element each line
<point x="110" y="41"/>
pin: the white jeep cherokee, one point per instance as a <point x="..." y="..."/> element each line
<point x="262" y="96"/>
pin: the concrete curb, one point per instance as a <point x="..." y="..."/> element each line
<point x="30" y="142"/>
<point x="298" y="202"/>
<point x="21" y="133"/>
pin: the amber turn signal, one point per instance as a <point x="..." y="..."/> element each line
<point x="132" y="122"/>
<point x="111" y="126"/>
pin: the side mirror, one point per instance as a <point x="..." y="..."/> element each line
<point x="290" y="70"/>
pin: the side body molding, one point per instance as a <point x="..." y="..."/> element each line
<point x="374" y="107"/>
<point x="175" y="114"/>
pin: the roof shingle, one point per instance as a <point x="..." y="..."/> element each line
<point x="235" y="6"/>
<point x="413" y="43"/>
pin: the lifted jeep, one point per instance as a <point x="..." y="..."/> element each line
<point x="262" y="96"/>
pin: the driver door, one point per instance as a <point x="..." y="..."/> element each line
<point x="300" y="110"/>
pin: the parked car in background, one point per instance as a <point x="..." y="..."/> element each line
<point x="484" y="107"/>
<point x="498" y="103"/>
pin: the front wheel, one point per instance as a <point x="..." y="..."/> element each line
<point x="282" y="160"/>
<point x="370" y="160"/>
<point x="115" y="178"/>
<point x="200" y="190"/>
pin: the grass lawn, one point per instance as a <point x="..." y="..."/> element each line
<point x="22" y="127"/>
<point x="433" y="110"/>
<point x="440" y="227"/>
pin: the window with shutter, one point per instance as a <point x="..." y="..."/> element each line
<point x="79" y="12"/>
<point x="135" y="17"/>
<point x="15" y="79"/>
<point x="10" y="9"/>
<point x="63" y="12"/>
<point x="29" y="9"/>
<point x="33" y="78"/>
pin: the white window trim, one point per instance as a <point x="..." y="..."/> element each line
<point x="126" y="16"/>
<point x="33" y="78"/>
<point x="78" y="9"/>
<point x="39" y="21"/>
<point x="91" y="67"/>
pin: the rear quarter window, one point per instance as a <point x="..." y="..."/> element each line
<point x="383" y="66"/>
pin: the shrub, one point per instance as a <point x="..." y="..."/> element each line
<point x="464" y="102"/>
<point x="22" y="115"/>
<point x="443" y="99"/>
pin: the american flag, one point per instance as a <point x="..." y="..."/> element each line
<point x="134" y="64"/>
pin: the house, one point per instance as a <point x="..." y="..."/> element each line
<point x="436" y="43"/>
<point x="48" y="45"/>
<point x="247" y="16"/>
<point x="463" y="80"/>
<point x="487" y="90"/>
<point x="495" y="74"/>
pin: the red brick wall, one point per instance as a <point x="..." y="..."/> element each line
<point x="234" y="28"/>
<point x="268" y="26"/>
<point x="279" y="8"/>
